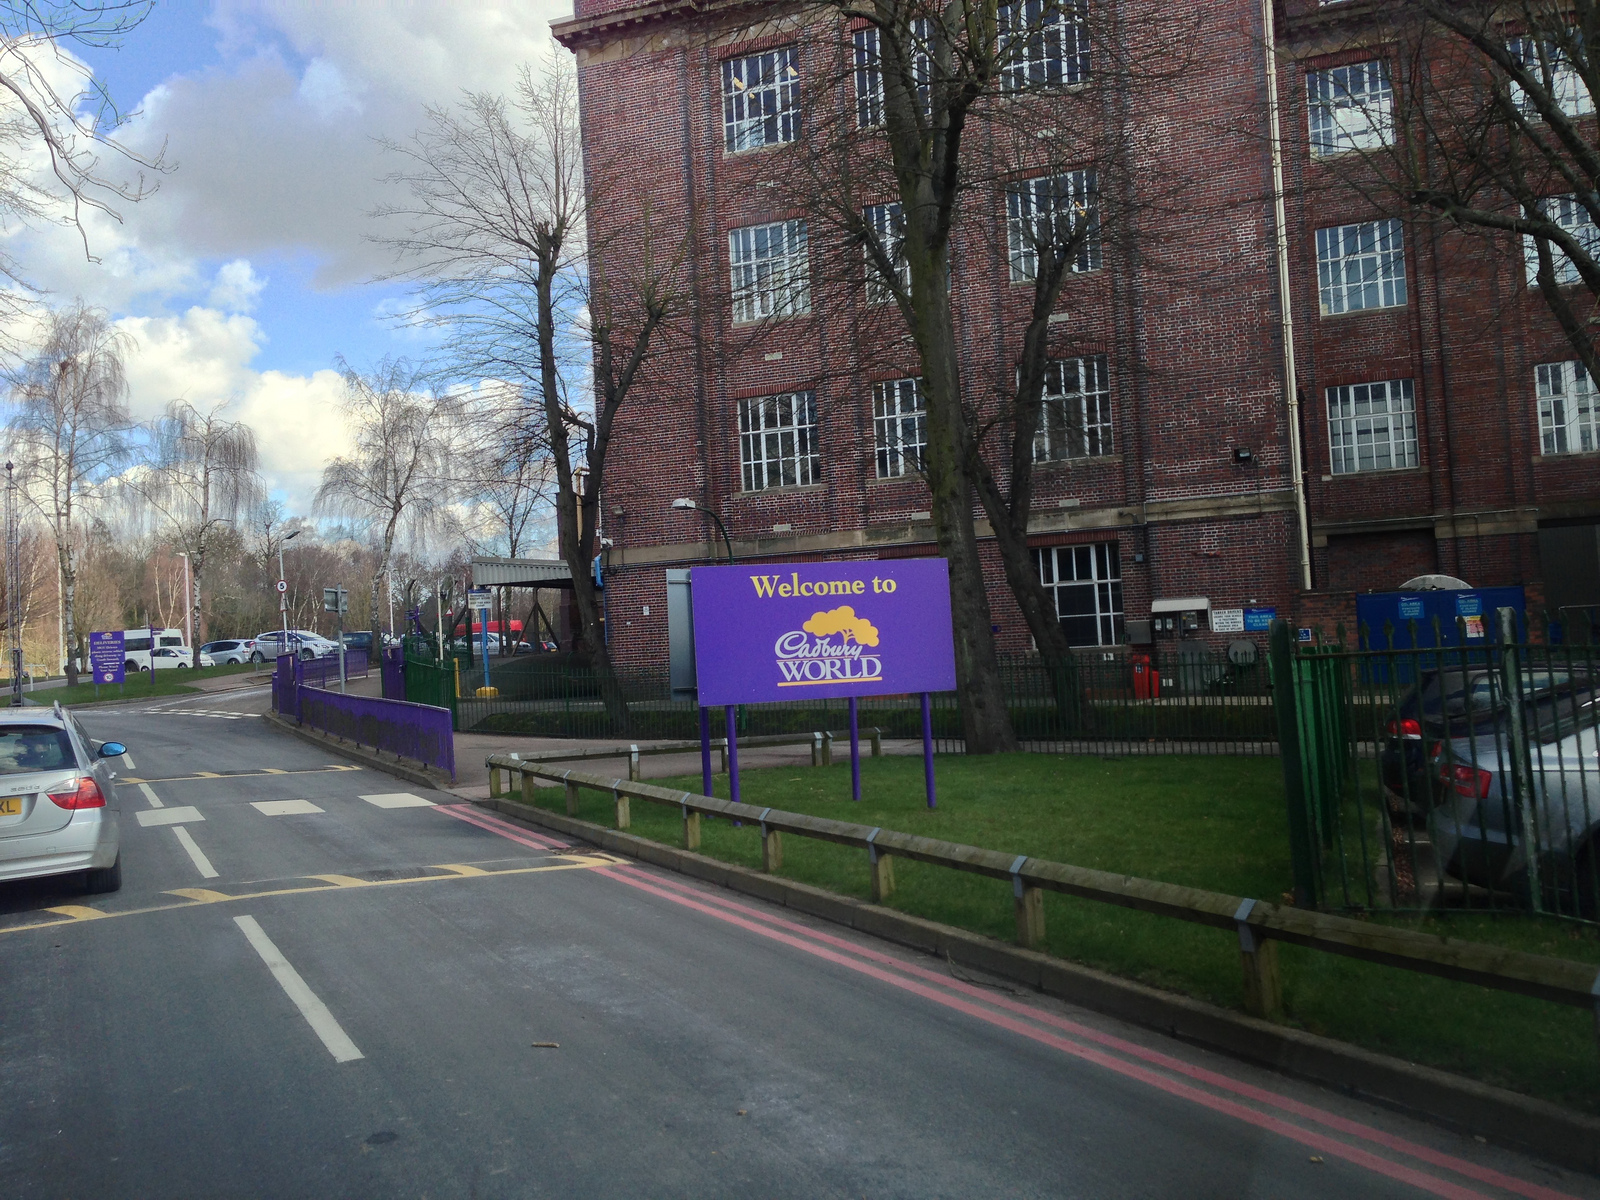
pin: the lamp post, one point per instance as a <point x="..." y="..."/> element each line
<point x="721" y="528"/>
<point x="283" y="589"/>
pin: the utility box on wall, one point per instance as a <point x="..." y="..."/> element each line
<point x="680" y="635"/>
<point x="1180" y="617"/>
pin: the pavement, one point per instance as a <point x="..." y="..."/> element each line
<point x="317" y="981"/>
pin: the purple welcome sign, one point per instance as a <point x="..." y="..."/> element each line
<point x="788" y="631"/>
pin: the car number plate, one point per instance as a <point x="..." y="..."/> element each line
<point x="10" y="806"/>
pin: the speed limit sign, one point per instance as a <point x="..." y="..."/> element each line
<point x="283" y="585"/>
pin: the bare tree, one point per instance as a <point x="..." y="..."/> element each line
<point x="68" y="432"/>
<point x="204" y="479"/>
<point x="504" y="465"/>
<point x="394" y="483"/>
<point x="498" y="194"/>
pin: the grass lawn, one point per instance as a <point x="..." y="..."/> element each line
<point x="1210" y="822"/>
<point x="140" y="685"/>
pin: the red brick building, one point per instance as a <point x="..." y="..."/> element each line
<point x="784" y="404"/>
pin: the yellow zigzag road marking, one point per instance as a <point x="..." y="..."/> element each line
<point x="74" y="914"/>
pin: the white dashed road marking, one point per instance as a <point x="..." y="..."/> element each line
<point x="150" y="795"/>
<point x="397" y="800"/>
<point x="283" y="808"/>
<point x="196" y="855"/>
<point x="170" y="816"/>
<point x="312" y="1009"/>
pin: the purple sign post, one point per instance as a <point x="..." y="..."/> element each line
<point x="766" y="632"/>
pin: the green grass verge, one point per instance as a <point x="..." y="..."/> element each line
<point x="143" y="685"/>
<point x="1208" y="822"/>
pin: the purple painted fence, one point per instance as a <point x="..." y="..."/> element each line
<point x="320" y="672"/>
<point x="394" y="674"/>
<point x="415" y="731"/>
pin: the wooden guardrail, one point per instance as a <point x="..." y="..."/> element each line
<point x="1260" y="924"/>
<point x="821" y="743"/>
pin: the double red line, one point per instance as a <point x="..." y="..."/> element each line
<point x="1262" y="1108"/>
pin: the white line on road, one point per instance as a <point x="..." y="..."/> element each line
<point x="201" y="862"/>
<point x="312" y="1009"/>
<point x="127" y="761"/>
<point x="150" y="795"/>
<point x="171" y="816"/>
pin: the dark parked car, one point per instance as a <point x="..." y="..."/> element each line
<point x="359" y="640"/>
<point x="1448" y="760"/>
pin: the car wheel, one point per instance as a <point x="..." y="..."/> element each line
<point x="106" y="879"/>
<point x="258" y="657"/>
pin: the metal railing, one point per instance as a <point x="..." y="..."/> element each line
<point x="1200" y="702"/>
<point x="1260" y="924"/>
<point x="413" y="731"/>
<point x="1444" y="777"/>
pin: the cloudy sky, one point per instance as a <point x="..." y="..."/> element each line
<point x="252" y="266"/>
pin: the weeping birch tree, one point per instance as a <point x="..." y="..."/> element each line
<point x="206" y="478"/>
<point x="68" y="432"/>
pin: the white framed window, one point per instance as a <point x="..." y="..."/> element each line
<point x="1372" y="426"/>
<point x="1549" y="63"/>
<point x="884" y="221"/>
<point x="1569" y="408"/>
<point x="1075" y="421"/>
<point x="1059" y="211"/>
<point x="1572" y="216"/>
<point x="770" y="270"/>
<point x="1350" y="108"/>
<point x="778" y="441"/>
<point x="761" y="100"/>
<point x="1042" y="44"/>
<point x="899" y="426"/>
<point x="869" y="71"/>
<point x="1361" y="266"/>
<point x="1086" y="582"/>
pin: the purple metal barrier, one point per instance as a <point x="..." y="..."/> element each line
<point x="394" y="674"/>
<point x="285" y="687"/>
<point x="321" y="672"/>
<point x="417" y="731"/>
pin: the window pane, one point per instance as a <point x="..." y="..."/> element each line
<point x="1372" y="426"/>
<point x="1087" y="586"/>
<point x="778" y="441"/>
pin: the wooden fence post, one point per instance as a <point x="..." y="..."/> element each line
<point x="624" y="810"/>
<point x="572" y="799"/>
<point x="691" y="827"/>
<point x="1030" y="908"/>
<point x="528" y="783"/>
<point x="1258" y="956"/>
<point x="882" y="867"/>
<point x="494" y="780"/>
<point x="771" y="847"/>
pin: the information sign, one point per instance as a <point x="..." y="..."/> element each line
<point x="1227" y="620"/>
<point x="783" y="631"/>
<point x="106" y="660"/>
<point x="1259" y="620"/>
<point x="335" y="600"/>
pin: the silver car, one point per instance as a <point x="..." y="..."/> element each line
<point x="58" y="800"/>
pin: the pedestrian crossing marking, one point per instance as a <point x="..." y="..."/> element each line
<point x="397" y="800"/>
<point x="284" y="808"/>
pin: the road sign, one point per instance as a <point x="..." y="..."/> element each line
<point x="479" y="597"/>
<point x="335" y="600"/>
<point x="283" y="585"/>
<point x="106" y="659"/>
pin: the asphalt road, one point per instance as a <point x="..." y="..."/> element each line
<point x="318" y="981"/>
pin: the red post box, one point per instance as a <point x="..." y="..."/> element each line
<point x="1146" y="679"/>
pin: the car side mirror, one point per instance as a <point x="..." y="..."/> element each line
<point x="112" y="749"/>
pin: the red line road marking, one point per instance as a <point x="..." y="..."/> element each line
<point x="465" y="812"/>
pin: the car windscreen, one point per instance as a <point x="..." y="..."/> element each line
<point x="25" y="748"/>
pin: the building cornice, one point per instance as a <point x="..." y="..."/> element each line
<point x="584" y="32"/>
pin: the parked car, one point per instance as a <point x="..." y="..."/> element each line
<point x="360" y="639"/>
<point x="302" y="642"/>
<point x="58" y="801"/>
<point x="233" y="650"/>
<point x="1448" y="761"/>
<point x="170" y="658"/>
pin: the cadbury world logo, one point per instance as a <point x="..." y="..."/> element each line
<point x="831" y="647"/>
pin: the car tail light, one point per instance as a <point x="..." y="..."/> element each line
<point x="1465" y="780"/>
<point x="1410" y="729"/>
<point x="86" y="794"/>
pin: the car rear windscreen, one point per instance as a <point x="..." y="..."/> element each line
<point x="25" y="748"/>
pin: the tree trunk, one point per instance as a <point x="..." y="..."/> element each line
<point x="68" y="624"/>
<point x="198" y="567"/>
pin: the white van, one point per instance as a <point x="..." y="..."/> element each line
<point x="137" y="644"/>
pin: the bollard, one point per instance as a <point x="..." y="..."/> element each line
<point x="494" y="780"/>
<point x="1258" y="956"/>
<point x="624" y="814"/>
<point x="633" y="765"/>
<point x="1030" y="908"/>
<point x="816" y="749"/>
<point x="827" y="749"/>
<point x="723" y="747"/>
<point x="877" y="743"/>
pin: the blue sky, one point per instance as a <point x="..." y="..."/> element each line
<point x="250" y="269"/>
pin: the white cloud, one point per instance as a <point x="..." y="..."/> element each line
<point x="237" y="286"/>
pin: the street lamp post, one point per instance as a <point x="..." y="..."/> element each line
<point x="721" y="528"/>
<point x="283" y="589"/>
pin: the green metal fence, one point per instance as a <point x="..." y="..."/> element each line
<point x="1457" y="776"/>
<point x="1203" y="703"/>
